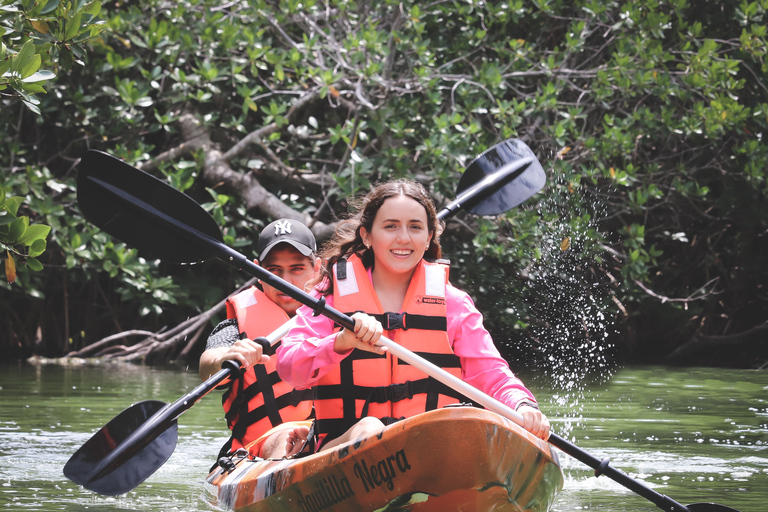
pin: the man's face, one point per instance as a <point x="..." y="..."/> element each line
<point x="290" y="265"/>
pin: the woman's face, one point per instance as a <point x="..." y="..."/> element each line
<point x="399" y="235"/>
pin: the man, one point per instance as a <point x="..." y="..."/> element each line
<point x="260" y="408"/>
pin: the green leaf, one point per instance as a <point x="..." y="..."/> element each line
<point x="31" y="106"/>
<point x="17" y="229"/>
<point x="25" y="55"/>
<point x="34" y="232"/>
<point x="12" y="204"/>
<point x="77" y="50"/>
<point x="73" y="26"/>
<point x="5" y="66"/>
<point x="39" y="76"/>
<point x="37" y="248"/>
<point x="50" y="6"/>
<point x="34" y="265"/>
<point x="144" y="101"/>
<point x="33" y="88"/>
<point x="93" y="9"/>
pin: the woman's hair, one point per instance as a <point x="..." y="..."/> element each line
<point x="347" y="239"/>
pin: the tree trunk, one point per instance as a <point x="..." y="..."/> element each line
<point x="724" y="351"/>
<point x="157" y="346"/>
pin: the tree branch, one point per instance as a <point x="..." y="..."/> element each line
<point x="264" y="131"/>
<point x="699" y="294"/>
<point x="93" y="347"/>
<point x="720" y="350"/>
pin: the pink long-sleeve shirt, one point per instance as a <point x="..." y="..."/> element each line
<point x="306" y="353"/>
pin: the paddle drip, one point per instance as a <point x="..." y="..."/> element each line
<point x="571" y="294"/>
<point x="548" y="301"/>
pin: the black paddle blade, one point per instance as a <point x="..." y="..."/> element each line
<point x="86" y="467"/>
<point x="709" y="507"/>
<point x="530" y="180"/>
<point x="138" y="209"/>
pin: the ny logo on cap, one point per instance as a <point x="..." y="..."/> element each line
<point x="282" y="227"/>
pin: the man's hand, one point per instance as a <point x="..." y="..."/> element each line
<point x="245" y="352"/>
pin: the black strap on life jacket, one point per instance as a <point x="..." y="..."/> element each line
<point x="350" y="393"/>
<point x="396" y="392"/>
<point x="434" y="388"/>
<point x="239" y="417"/>
<point x="407" y="321"/>
<point x="239" y="407"/>
<point x="347" y="391"/>
<point x="391" y="321"/>
<point x="264" y="381"/>
<point x="235" y="407"/>
<point x="293" y="398"/>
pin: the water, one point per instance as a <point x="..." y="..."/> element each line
<point x="694" y="435"/>
<point x="48" y="412"/>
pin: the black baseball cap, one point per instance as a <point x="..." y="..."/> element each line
<point x="287" y="231"/>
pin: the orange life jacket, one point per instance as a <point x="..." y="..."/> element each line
<point x="259" y="400"/>
<point x="368" y="384"/>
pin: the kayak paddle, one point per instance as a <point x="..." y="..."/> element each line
<point x="144" y="434"/>
<point x="113" y="194"/>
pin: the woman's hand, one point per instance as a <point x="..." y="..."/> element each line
<point x="534" y="421"/>
<point x="367" y="332"/>
<point x="296" y="440"/>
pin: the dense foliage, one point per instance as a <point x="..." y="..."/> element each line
<point x="647" y="115"/>
<point x="44" y="34"/>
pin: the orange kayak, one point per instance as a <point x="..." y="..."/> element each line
<point x="458" y="458"/>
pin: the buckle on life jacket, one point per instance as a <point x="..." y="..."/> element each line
<point x="391" y="393"/>
<point x="341" y="268"/>
<point x="397" y="392"/>
<point x="394" y="321"/>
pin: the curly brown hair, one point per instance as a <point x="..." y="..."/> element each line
<point x="347" y="239"/>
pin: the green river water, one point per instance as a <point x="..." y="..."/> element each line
<point x="692" y="434"/>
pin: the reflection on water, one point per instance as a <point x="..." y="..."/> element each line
<point x="694" y="435"/>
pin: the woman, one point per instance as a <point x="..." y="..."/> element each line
<point x="382" y="266"/>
